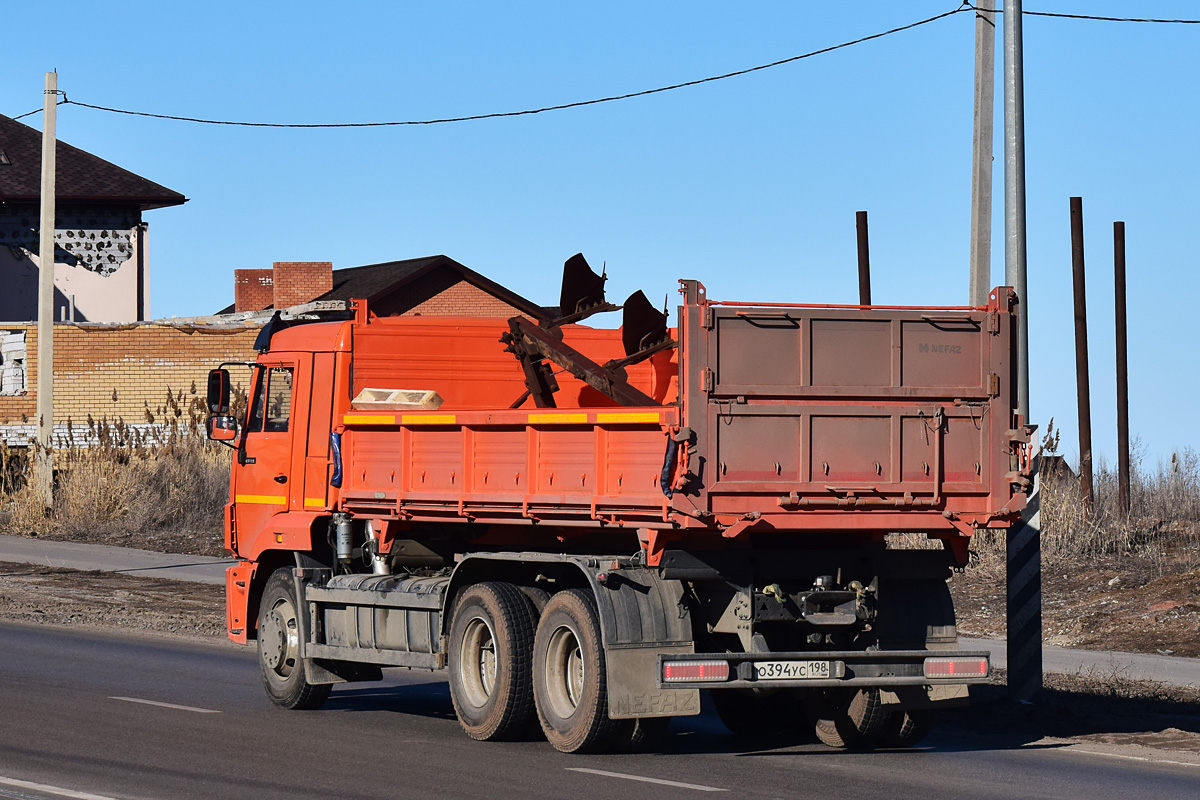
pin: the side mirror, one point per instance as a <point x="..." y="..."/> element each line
<point x="218" y="392"/>
<point x="222" y="428"/>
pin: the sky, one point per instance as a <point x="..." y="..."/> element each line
<point x="748" y="184"/>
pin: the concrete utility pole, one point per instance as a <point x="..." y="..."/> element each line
<point x="1015" y="252"/>
<point x="981" y="170"/>
<point x="1024" y="542"/>
<point x="44" y="472"/>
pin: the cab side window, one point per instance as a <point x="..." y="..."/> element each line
<point x="272" y="408"/>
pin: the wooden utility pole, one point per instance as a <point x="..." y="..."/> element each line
<point x="981" y="169"/>
<point x="44" y="472"/>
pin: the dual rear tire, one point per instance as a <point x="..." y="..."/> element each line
<point x="491" y="680"/>
<point x="509" y="666"/>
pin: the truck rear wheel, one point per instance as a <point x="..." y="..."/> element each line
<point x="907" y="728"/>
<point x="569" y="681"/>
<point x="279" y="647"/>
<point x="851" y="719"/>
<point x="491" y="644"/>
<point x="641" y="734"/>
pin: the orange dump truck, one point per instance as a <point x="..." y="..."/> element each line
<point x="585" y="527"/>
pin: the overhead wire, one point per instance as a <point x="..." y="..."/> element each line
<point x="1096" y="17"/>
<point x="526" y="112"/>
<point x="965" y="6"/>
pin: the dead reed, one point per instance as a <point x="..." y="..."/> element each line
<point x="159" y="484"/>
<point x="1162" y="528"/>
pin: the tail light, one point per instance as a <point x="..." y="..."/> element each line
<point x="692" y="671"/>
<point x="956" y="667"/>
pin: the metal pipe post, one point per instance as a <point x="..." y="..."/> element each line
<point x="1081" y="355"/>
<point x="981" y="158"/>
<point x="44" y="468"/>
<point x="864" y="259"/>
<point x="1122" y="370"/>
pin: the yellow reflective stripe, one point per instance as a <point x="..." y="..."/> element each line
<point x="261" y="499"/>
<point x="536" y="418"/>
<point x="629" y="416"/>
<point x="427" y="419"/>
<point x="314" y="501"/>
<point x="370" y="419"/>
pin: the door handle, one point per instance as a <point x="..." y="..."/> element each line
<point x="280" y="479"/>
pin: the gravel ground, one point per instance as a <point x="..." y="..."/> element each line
<point x="55" y="596"/>
<point x="1130" y="604"/>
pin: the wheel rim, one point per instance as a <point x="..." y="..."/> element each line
<point x="280" y="636"/>
<point x="565" y="672"/>
<point x="477" y="662"/>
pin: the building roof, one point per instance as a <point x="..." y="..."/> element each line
<point x="81" y="176"/>
<point x="376" y="280"/>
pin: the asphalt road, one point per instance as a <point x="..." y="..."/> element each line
<point x="90" y="715"/>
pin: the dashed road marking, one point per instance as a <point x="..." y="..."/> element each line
<point x="166" y="705"/>
<point x="625" y="776"/>
<point x="55" y="790"/>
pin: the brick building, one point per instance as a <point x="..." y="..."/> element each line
<point x="118" y="374"/>
<point x="430" y="286"/>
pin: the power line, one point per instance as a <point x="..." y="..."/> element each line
<point x="1092" y="17"/>
<point x="966" y="6"/>
<point x="578" y="104"/>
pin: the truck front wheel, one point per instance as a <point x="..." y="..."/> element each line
<point x="491" y="644"/>
<point x="279" y="646"/>
<point x="569" y="681"/>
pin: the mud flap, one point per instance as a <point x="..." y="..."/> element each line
<point x="926" y="697"/>
<point x="633" y="684"/>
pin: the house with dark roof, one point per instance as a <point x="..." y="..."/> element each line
<point x="429" y="286"/>
<point x="101" y="272"/>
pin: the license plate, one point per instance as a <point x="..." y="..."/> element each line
<point x="792" y="670"/>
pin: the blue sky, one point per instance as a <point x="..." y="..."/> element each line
<point x="749" y="184"/>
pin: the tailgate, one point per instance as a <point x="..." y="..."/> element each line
<point x="904" y="415"/>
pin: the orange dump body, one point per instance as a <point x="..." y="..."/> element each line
<point x="770" y="421"/>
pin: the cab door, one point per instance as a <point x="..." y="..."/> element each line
<point x="264" y="471"/>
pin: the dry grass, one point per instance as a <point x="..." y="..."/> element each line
<point x="1162" y="527"/>
<point x="160" y="483"/>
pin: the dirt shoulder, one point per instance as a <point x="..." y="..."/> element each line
<point x="1130" y="604"/>
<point x="56" y="596"/>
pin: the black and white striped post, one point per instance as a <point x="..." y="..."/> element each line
<point x="1025" y="595"/>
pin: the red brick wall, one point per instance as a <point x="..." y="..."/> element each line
<point x="463" y="300"/>
<point x="119" y="373"/>
<point x="298" y="282"/>
<point x="253" y="289"/>
<point x="442" y="293"/>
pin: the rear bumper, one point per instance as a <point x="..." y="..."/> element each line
<point x="884" y="669"/>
